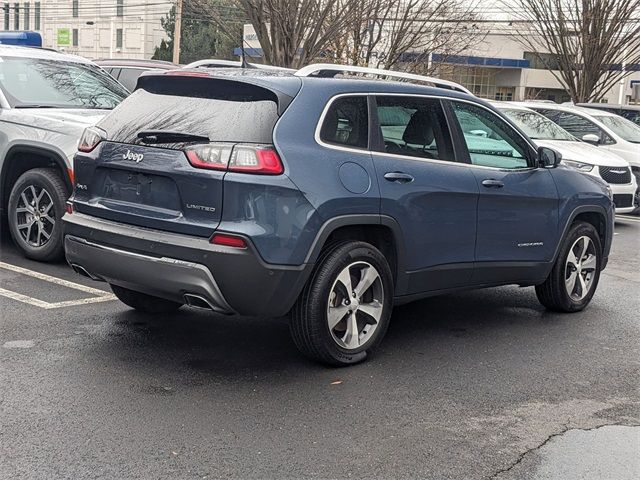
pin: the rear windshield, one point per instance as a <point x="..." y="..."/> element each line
<point x="240" y="116"/>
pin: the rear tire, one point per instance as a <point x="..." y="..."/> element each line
<point x="343" y="312"/>
<point x="143" y="302"/>
<point x="35" y="208"/>
<point x="574" y="278"/>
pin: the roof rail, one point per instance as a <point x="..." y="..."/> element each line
<point x="331" y="70"/>
<point x="216" y="63"/>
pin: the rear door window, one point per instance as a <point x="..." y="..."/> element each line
<point x="414" y="127"/>
<point x="346" y="123"/>
<point x="129" y="77"/>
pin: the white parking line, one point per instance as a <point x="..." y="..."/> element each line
<point x="99" y="295"/>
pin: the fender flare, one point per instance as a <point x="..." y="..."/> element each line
<point x="599" y="209"/>
<point x="335" y="223"/>
<point x="56" y="158"/>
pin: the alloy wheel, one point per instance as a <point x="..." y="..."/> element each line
<point x="355" y="305"/>
<point x="34" y="216"/>
<point x="580" y="268"/>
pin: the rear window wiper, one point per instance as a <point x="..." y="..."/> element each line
<point x="160" y="136"/>
<point x="32" y="105"/>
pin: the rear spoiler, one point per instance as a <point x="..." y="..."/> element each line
<point x="206" y="84"/>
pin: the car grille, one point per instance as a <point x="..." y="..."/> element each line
<point x="623" y="201"/>
<point x="616" y="174"/>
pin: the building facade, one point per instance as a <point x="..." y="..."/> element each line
<point x="92" y="28"/>
<point x="501" y="68"/>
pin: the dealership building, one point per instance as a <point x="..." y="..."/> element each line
<point x="500" y="68"/>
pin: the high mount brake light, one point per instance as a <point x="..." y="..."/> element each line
<point x="257" y="159"/>
<point x="182" y="73"/>
<point x="91" y="138"/>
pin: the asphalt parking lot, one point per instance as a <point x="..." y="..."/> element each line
<point x="483" y="384"/>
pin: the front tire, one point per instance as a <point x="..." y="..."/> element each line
<point x="36" y="205"/>
<point x="343" y="312"/>
<point x="574" y="278"/>
<point x="143" y="302"/>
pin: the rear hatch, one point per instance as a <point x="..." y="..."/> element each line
<point x="159" y="158"/>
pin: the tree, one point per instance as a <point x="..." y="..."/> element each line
<point x="294" y="32"/>
<point x="589" y="40"/>
<point x="403" y="33"/>
<point x="210" y="29"/>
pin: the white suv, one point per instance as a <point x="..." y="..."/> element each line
<point x="576" y="154"/>
<point x="46" y="101"/>
<point x="605" y="130"/>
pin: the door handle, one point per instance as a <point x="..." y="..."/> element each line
<point x="398" y="177"/>
<point x="491" y="183"/>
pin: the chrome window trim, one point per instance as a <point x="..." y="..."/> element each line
<point x="320" y="142"/>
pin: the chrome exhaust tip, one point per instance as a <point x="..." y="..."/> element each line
<point x="80" y="270"/>
<point x="197" y="301"/>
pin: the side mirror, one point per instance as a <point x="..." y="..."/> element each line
<point x="479" y="133"/>
<point x="548" y="158"/>
<point x="591" y="138"/>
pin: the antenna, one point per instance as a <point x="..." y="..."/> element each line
<point x="243" y="56"/>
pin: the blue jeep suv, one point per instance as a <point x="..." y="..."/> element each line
<point x="326" y="197"/>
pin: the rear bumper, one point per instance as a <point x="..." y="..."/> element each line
<point x="181" y="268"/>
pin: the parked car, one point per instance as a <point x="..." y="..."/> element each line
<point x="127" y="71"/>
<point x="603" y="129"/>
<point x="630" y="112"/>
<point x="46" y="101"/>
<point x="218" y="63"/>
<point x="576" y="154"/>
<point x="261" y="193"/>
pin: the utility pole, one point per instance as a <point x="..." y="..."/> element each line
<point x="177" y="31"/>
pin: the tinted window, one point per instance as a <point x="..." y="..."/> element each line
<point x="347" y="123"/>
<point x="414" y="126"/>
<point x="622" y="127"/>
<point x="129" y="77"/>
<point x="632" y="116"/>
<point x="30" y="82"/>
<point x="537" y="126"/>
<point x="490" y="140"/>
<point x="575" y="124"/>
<point x="219" y="110"/>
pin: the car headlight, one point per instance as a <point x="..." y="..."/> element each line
<point x="583" y="167"/>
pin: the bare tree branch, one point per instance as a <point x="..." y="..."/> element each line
<point x="588" y="39"/>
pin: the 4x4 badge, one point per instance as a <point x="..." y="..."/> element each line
<point x="136" y="157"/>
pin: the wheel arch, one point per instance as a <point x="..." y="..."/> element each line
<point x="22" y="158"/>
<point x="381" y="231"/>
<point x="595" y="215"/>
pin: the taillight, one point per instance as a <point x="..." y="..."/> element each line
<point x="250" y="159"/>
<point x="259" y="159"/>
<point x="69" y="207"/>
<point x="228" y="240"/>
<point x="210" y="155"/>
<point x="90" y="139"/>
